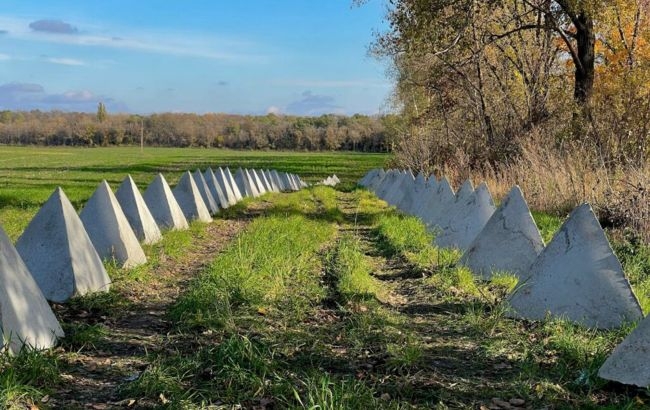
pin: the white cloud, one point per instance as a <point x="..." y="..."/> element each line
<point x="333" y="83"/>
<point x="5" y="57"/>
<point x="274" y="110"/>
<point x="177" y="43"/>
<point x="65" y="61"/>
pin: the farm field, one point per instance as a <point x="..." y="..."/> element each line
<point x="28" y="175"/>
<point x="324" y="298"/>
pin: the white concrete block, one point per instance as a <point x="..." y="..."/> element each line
<point x="509" y="242"/>
<point x="189" y="199"/>
<point x="25" y="317"/>
<point x="137" y="212"/>
<point x="59" y="253"/>
<point x="577" y="277"/>
<point x="163" y="205"/>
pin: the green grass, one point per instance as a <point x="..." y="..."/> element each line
<point x="30" y="174"/>
<point x="27" y="377"/>
<point x="351" y="270"/>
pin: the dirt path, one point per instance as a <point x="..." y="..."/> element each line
<point x="137" y="326"/>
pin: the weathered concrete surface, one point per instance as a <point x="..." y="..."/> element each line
<point x="59" y="253"/>
<point x="376" y="180"/>
<point x="189" y="199"/>
<point x="163" y="205"/>
<point x="25" y="316"/>
<point x="206" y="193"/>
<point x="245" y="183"/>
<point x="509" y="242"/>
<point x="472" y="211"/>
<point x="387" y="183"/>
<point x="109" y="230"/>
<point x="577" y="277"/>
<point x="629" y="363"/>
<point x="222" y="181"/>
<point x="426" y="199"/>
<point x="248" y="177"/>
<point x="233" y="184"/>
<point x="275" y="176"/>
<point x="272" y="182"/>
<point x="441" y="207"/>
<point x="465" y="192"/>
<point x="396" y="194"/>
<point x="257" y="181"/>
<point x="286" y="181"/>
<point x="265" y="181"/>
<point x="336" y="179"/>
<point x="216" y="189"/>
<point x="137" y="212"/>
<point x="365" y="181"/>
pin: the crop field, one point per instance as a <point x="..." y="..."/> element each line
<point x="319" y="299"/>
<point x="28" y="175"/>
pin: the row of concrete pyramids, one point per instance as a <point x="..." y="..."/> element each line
<point x="332" y="180"/>
<point x="60" y="253"/>
<point x="576" y="276"/>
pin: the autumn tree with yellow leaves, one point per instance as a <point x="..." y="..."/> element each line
<point x="475" y="79"/>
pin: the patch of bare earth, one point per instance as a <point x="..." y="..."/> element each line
<point x="93" y="375"/>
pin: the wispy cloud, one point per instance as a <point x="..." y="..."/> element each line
<point x="64" y="61"/>
<point x="4" y="57"/>
<point x="29" y="96"/>
<point x="179" y="44"/>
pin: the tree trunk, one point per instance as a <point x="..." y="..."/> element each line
<point x="584" y="74"/>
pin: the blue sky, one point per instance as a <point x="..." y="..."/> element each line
<point x="304" y="57"/>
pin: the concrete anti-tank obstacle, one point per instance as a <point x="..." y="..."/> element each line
<point x="396" y="194"/>
<point x="509" y="242"/>
<point x="365" y="181"/>
<point x="286" y="182"/>
<point x="465" y="191"/>
<point x="293" y="183"/>
<point x="189" y="199"/>
<point x="206" y="194"/>
<point x="163" y="205"/>
<point x="262" y="180"/>
<point x="413" y="195"/>
<point x="376" y="180"/>
<point x="217" y="190"/>
<point x="336" y="179"/>
<point x="272" y="182"/>
<point x="278" y="181"/>
<point x="577" y="277"/>
<point x="628" y="363"/>
<point x="25" y="317"/>
<point x="386" y="183"/>
<point x="427" y="199"/>
<point x="243" y="184"/>
<point x="233" y="184"/>
<point x="255" y="180"/>
<point x="137" y="212"/>
<point x="109" y="230"/>
<point x="468" y="220"/>
<point x="59" y="253"/>
<point x="441" y="208"/>
<point x="223" y="182"/>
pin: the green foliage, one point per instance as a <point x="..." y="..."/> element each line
<point x="547" y="224"/>
<point x="322" y="391"/>
<point x="352" y="271"/>
<point x="26" y="377"/>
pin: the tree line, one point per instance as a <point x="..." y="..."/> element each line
<point x="273" y="132"/>
<point x="478" y="79"/>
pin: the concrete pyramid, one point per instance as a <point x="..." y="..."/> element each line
<point x="109" y="230"/>
<point x="58" y="252"/>
<point x="577" y="277"/>
<point x="233" y="184"/>
<point x="292" y="182"/>
<point x="217" y="190"/>
<point x="272" y="182"/>
<point x="286" y="181"/>
<point x="248" y="178"/>
<point x="25" y="316"/>
<point x="336" y="179"/>
<point x="376" y="180"/>
<point x="365" y="181"/>
<point x="266" y="181"/>
<point x="441" y="208"/>
<point x="278" y="180"/>
<point x="465" y="192"/>
<point x="223" y="182"/>
<point x="189" y="199"/>
<point x="137" y="213"/>
<point x="628" y="363"/>
<point x="426" y="199"/>
<point x="396" y="193"/>
<point x="261" y="188"/>
<point x="163" y="205"/>
<point x="206" y="194"/>
<point x="386" y="183"/>
<point x="263" y="181"/>
<point x="413" y="194"/>
<point x="510" y="240"/>
<point x="472" y="211"/>
<point x="244" y="183"/>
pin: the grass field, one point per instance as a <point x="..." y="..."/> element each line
<point x="319" y="299"/>
<point x="28" y="175"/>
